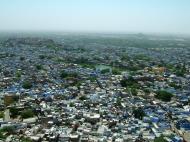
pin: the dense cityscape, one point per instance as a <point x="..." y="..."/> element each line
<point x="94" y="88"/>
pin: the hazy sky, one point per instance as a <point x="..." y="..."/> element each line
<point x="160" y="16"/>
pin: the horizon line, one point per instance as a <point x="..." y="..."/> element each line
<point x="91" y="32"/>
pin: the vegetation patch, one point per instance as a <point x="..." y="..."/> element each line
<point x="27" y="85"/>
<point x="164" y="95"/>
<point x="27" y="114"/>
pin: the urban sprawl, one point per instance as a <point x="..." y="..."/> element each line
<point x="94" y="88"/>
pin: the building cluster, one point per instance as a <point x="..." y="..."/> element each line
<point x="46" y="99"/>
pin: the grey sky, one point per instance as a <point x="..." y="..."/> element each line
<point x="159" y="16"/>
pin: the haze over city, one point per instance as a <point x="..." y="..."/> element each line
<point x="94" y="71"/>
<point x="155" y="16"/>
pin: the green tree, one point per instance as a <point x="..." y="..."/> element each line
<point x="129" y="82"/>
<point x="146" y="90"/>
<point x="118" y="102"/>
<point x="82" y="98"/>
<point x="27" y="114"/>
<point x="87" y="65"/>
<point x="180" y="70"/>
<point x="2" y="137"/>
<point x="64" y="74"/>
<point x="14" y="112"/>
<point x="164" y="95"/>
<point x="27" y="85"/>
<point x="92" y="79"/>
<point x="18" y="74"/>
<point x="25" y="139"/>
<point x="22" y="58"/>
<point x="39" y="67"/>
<point x="139" y="113"/>
<point x="104" y="71"/>
<point x="42" y="57"/>
<point x="174" y="85"/>
<point x="134" y="91"/>
<point x="8" y="129"/>
<point x="160" y="139"/>
<point x="1" y="114"/>
<point x="71" y="104"/>
<point x="116" y="71"/>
